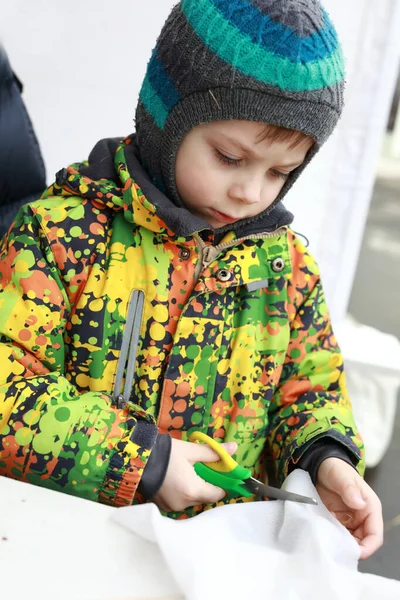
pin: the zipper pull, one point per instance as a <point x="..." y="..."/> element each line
<point x="206" y="254"/>
<point x="209" y="254"/>
<point x="121" y="402"/>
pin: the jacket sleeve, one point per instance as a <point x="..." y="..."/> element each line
<point x="311" y="401"/>
<point x="51" y="435"/>
<point x="319" y="451"/>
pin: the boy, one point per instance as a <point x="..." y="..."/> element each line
<point x="158" y="289"/>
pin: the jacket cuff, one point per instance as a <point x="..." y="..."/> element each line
<point x="319" y="451"/>
<point x="156" y="467"/>
<point x="128" y="459"/>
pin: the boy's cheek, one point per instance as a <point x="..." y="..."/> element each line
<point x="195" y="189"/>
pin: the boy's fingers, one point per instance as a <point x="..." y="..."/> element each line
<point x="207" y="493"/>
<point x="369" y="533"/>
<point x="369" y="545"/>
<point x="230" y="447"/>
<point x="372" y="531"/>
<point x="359" y="496"/>
<point x="203" y="452"/>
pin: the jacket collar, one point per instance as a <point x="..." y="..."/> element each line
<point x="114" y="176"/>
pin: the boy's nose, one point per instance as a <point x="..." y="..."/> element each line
<point x="248" y="192"/>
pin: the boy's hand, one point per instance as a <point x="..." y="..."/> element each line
<point x="353" y="502"/>
<point x="182" y="487"/>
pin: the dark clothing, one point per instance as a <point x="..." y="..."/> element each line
<point x="22" y="172"/>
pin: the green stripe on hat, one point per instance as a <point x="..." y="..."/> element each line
<point x="235" y="48"/>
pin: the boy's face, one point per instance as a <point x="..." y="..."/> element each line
<point x="224" y="173"/>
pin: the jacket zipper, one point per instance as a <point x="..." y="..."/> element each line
<point x="210" y="253"/>
<point x="129" y="346"/>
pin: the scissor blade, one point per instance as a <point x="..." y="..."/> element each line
<point x="260" y="489"/>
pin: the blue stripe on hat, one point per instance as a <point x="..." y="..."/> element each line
<point x="158" y="92"/>
<point x="268" y="34"/>
<point x="162" y="83"/>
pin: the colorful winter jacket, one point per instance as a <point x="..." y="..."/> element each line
<point x="119" y="320"/>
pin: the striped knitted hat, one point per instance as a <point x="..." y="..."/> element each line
<point x="273" y="61"/>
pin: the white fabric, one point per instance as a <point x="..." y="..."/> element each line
<point x="369" y="347"/>
<point x="260" y="550"/>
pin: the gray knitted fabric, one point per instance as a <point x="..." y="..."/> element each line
<point x="273" y="61"/>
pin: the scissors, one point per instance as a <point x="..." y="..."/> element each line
<point x="235" y="479"/>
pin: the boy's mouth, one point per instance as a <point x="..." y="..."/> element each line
<point x="223" y="217"/>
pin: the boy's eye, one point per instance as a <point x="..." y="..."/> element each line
<point x="227" y="160"/>
<point x="277" y="173"/>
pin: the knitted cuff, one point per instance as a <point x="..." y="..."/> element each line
<point x="320" y="451"/>
<point x="156" y="467"/>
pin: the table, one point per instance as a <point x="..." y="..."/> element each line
<point x="54" y="546"/>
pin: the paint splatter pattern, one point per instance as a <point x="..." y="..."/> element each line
<point x="260" y="367"/>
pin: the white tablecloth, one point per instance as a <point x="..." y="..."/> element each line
<point x="54" y="546"/>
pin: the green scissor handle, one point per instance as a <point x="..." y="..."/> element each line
<point x="225" y="473"/>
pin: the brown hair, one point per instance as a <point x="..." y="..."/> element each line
<point x="274" y="133"/>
